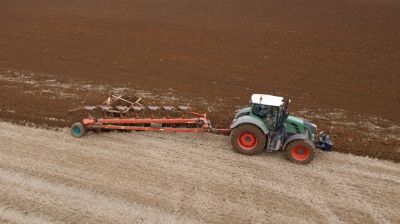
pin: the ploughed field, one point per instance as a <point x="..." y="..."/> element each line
<point x="337" y="60"/>
<point x="47" y="176"/>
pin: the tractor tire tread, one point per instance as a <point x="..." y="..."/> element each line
<point x="260" y="136"/>
<point x="309" y="144"/>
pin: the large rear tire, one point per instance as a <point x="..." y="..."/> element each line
<point x="248" y="139"/>
<point x="78" y="130"/>
<point x="300" y="151"/>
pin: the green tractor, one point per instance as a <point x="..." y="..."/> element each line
<point x="267" y="125"/>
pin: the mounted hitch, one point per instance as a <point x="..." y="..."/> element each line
<point x="324" y="142"/>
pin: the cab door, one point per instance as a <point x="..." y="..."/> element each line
<point x="270" y="115"/>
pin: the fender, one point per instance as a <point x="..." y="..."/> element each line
<point x="246" y="119"/>
<point x="294" y="138"/>
<point x="243" y="112"/>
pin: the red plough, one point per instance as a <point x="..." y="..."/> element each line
<point x="136" y="117"/>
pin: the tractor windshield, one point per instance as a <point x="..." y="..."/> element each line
<point x="260" y="110"/>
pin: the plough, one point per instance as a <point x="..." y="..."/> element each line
<point x="117" y="113"/>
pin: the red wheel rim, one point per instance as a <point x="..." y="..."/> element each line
<point x="300" y="153"/>
<point x="247" y="141"/>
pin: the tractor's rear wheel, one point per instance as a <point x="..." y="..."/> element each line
<point x="78" y="129"/>
<point x="248" y="139"/>
<point x="300" y="151"/>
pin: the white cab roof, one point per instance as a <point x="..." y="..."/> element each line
<point x="267" y="100"/>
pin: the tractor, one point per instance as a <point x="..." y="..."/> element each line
<point x="267" y="125"/>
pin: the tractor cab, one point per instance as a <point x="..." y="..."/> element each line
<point x="270" y="109"/>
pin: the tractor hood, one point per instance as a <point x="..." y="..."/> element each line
<point x="298" y="125"/>
<point x="311" y="126"/>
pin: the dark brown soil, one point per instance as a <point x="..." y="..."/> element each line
<point x="326" y="55"/>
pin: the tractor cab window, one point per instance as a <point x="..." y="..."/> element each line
<point x="269" y="114"/>
<point x="272" y="118"/>
<point x="260" y="110"/>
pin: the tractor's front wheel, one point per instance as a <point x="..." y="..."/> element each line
<point x="248" y="139"/>
<point x="300" y="151"/>
<point x="78" y="130"/>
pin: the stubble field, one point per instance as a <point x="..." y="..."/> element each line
<point x="47" y="176"/>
